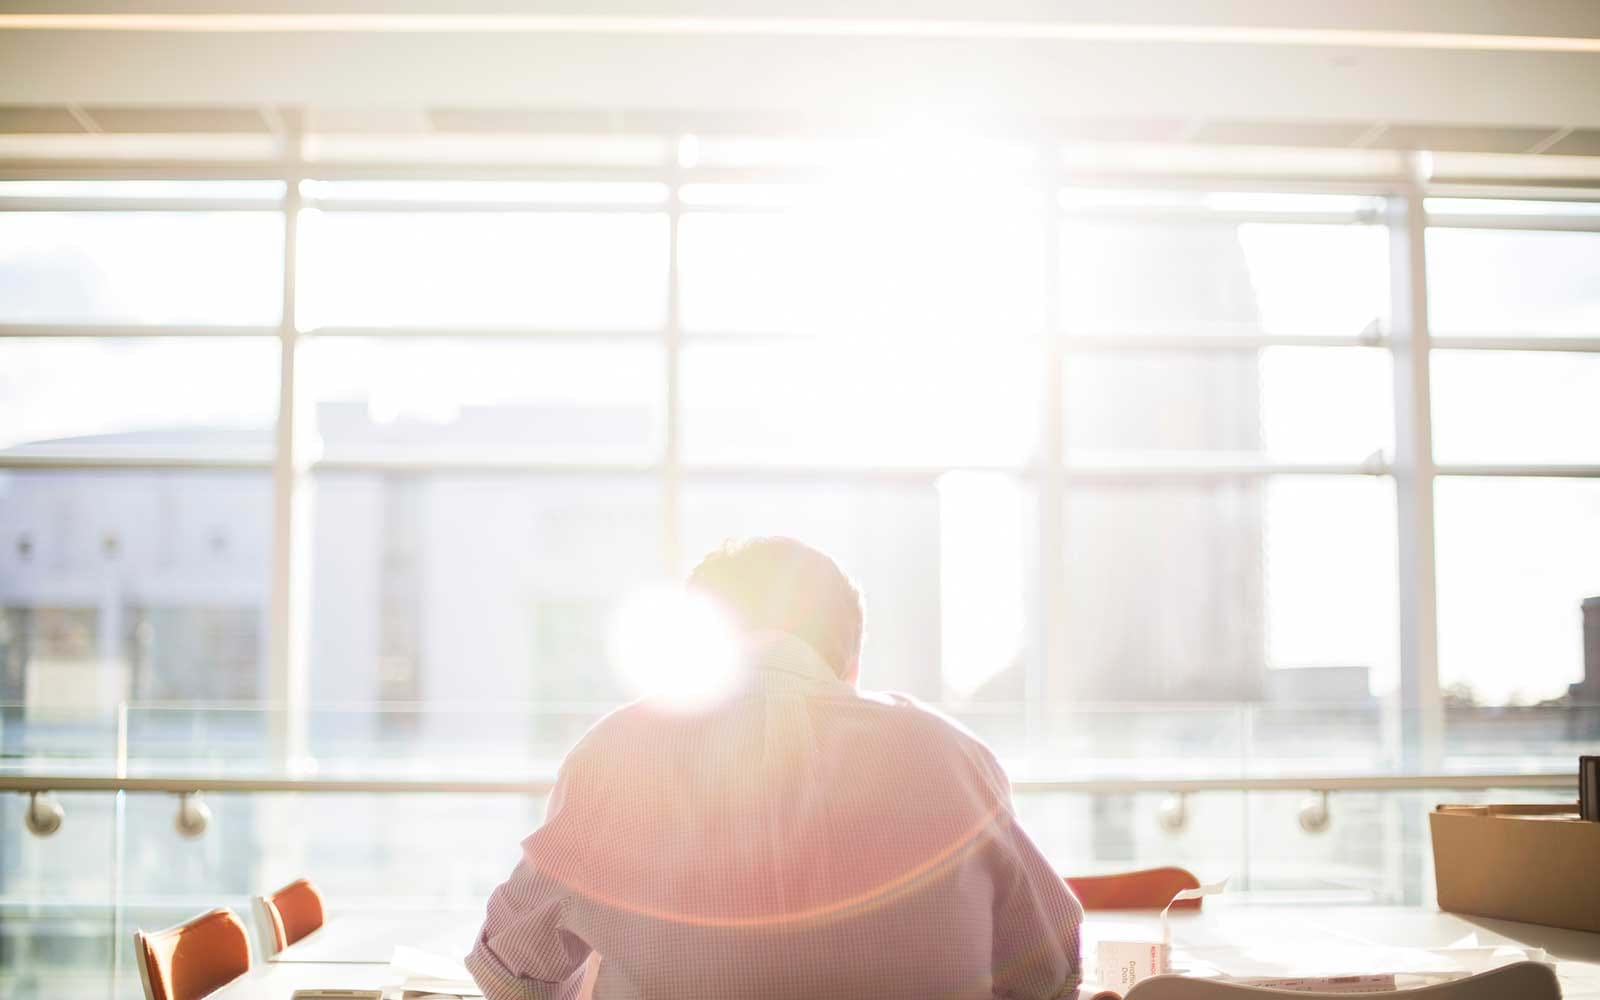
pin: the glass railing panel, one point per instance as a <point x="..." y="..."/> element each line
<point x="1054" y="741"/>
<point x="70" y="901"/>
<point x="57" y="898"/>
<point x="1091" y="834"/>
<point x="1373" y="847"/>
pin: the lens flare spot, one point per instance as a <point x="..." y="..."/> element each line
<point x="674" y="647"/>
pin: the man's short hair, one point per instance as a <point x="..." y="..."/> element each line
<point x="780" y="584"/>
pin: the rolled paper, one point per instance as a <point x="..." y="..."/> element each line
<point x="1209" y="889"/>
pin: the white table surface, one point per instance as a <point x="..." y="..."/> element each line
<point x="370" y="937"/>
<point x="354" y="941"/>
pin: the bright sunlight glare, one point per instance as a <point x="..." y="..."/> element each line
<point x="981" y="530"/>
<point x="674" y="647"/>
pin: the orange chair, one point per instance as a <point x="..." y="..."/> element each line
<point x="288" y="915"/>
<point x="1147" y="889"/>
<point x="190" y="960"/>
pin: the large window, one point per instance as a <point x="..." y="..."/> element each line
<point x="139" y="390"/>
<point x="362" y="478"/>
<point x="216" y="395"/>
<point x="1514" y="301"/>
<point x="1077" y="445"/>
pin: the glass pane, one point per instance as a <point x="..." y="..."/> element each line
<point x="169" y="394"/>
<point x="865" y="270"/>
<point x="1321" y="720"/>
<point x="456" y="588"/>
<point x="1282" y="403"/>
<point x="1197" y="204"/>
<point x="1500" y="282"/>
<point x="464" y="398"/>
<point x="1230" y="591"/>
<point x="1508" y="406"/>
<point x="262" y="191"/>
<point x="1517" y="558"/>
<point x="919" y="557"/>
<point x="504" y="192"/>
<point x="132" y="585"/>
<point x="860" y="404"/>
<point x="55" y="922"/>
<point x="1098" y="834"/>
<point x="1446" y="207"/>
<point x="559" y="270"/>
<point x="1271" y="278"/>
<point x="1370" y="851"/>
<point x="141" y="267"/>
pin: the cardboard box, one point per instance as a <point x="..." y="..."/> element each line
<point x="1539" y="864"/>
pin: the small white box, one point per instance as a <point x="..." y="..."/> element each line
<point x="1123" y="963"/>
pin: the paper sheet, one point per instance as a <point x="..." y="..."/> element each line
<point x="1411" y="967"/>
<point x="425" y="974"/>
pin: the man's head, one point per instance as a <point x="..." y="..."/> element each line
<point x="781" y="585"/>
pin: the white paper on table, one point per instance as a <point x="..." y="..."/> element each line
<point x="1410" y="966"/>
<point x="425" y="973"/>
<point x="1289" y="959"/>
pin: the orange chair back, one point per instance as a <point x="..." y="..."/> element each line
<point x="190" y="960"/>
<point x="293" y="912"/>
<point x="1148" y="889"/>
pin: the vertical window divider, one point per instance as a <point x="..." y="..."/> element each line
<point x="1419" y="723"/>
<point x="1051" y="659"/>
<point x="290" y="601"/>
<point x="672" y="343"/>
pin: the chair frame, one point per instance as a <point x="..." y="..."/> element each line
<point x="141" y="949"/>
<point x="266" y="943"/>
<point x="263" y="908"/>
<point x="143" y="964"/>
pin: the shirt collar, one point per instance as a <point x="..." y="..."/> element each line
<point x="779" y="656"/>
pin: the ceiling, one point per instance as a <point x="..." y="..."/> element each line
<point x="1464" y="76"/>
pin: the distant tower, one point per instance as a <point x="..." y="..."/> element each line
<point x="1590" y="685"/>
<point x="1583" y="720"/>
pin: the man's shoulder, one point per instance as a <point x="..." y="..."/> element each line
<point x="644" y="727"/>
<point x="917" y="720"/>
<point x="911" y="711"/>
<point x="623" y="724"/>
<point x="641" y="727"/>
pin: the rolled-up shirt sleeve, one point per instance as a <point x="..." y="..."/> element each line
<point x="525" y="951"/>
<point x="1036" y="922"/>
<point x="1036" y="918"/>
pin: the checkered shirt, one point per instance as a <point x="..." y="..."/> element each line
<point x="801" y="839"/>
